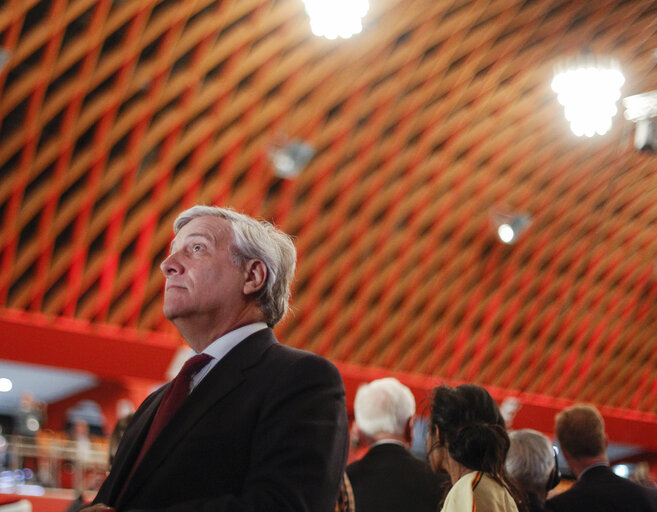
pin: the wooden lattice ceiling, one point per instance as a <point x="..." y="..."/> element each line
<point x="115" y="115"/>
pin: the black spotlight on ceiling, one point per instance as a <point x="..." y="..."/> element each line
<point x="290" y="157"/>
<point x="4" y="58"/>
<point x="509" y="226"/>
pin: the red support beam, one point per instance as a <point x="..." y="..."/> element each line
<point x="115" y="353"/>
<point x="107" y="351"/>
<point x="536" y="411"/>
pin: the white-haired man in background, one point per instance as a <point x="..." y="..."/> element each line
<point x="388" y="477"/>
<point x="531" y="462"/>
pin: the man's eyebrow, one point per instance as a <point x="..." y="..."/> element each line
<point x="207" y="236"/>
<point x="200" y="234"/>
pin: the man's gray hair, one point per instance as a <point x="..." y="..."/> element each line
<point x="256" y="240"/>
<point x="530" y="459"/>
<point x="383" y="406"/>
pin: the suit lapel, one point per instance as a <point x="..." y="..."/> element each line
<point x="224" y="377"/>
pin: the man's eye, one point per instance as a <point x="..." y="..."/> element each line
<point x="197" y="247"/>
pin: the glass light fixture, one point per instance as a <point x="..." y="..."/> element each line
<point x="336" y="18"/>
<point x="589" y="87"/>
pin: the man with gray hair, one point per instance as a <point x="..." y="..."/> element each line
<point x="248" y="424"/>
<point x="531" y="463"/>
<point x="388" y="477"/>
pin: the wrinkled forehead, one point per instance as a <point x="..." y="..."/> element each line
<point x="213" y="229"/>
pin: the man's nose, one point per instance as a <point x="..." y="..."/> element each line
<point x="171" y="266"/>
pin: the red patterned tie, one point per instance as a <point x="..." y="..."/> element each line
<point x="174" y="397"/>
<point x="172" y="400"/>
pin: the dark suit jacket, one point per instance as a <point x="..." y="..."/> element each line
<point x="389" y="478"/>
<point x="600" y="490"/>
<point x="265" y="430"/>
<point x="534" y="503"/>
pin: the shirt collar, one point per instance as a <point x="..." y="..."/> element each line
<point x="389" y="441"/>
<point x="224" y="344"/>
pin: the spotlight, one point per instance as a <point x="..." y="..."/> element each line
<point x="641" y="109"/>
<point x="509" y="226"/>
<point x="5" y="385"/>
<point x="645" y="135"/>
<point x="622" y="470"/>
<point x="4" y="58"/>
<point x="290" y="158"/>
<point x="506" y="233"/>
<point x="640" y="106"/>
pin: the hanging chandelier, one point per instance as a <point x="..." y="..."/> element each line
<point x="336" y="18"/>
<point x="588" y="87"/>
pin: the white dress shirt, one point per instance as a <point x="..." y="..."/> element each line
<point x="221" y="346"/>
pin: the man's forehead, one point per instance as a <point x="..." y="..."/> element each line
<point x="209" y="227"/>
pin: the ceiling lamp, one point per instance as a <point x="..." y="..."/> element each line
<point x="588" y="87"/>
<point x="336" y="18"/>
<point x="4" y="58"/>
<point x="509" y="226"/>
<point x="641" y="109"/>
<point x="289" y="158"/>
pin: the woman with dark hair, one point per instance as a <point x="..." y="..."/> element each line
<point x="468" y="439"/>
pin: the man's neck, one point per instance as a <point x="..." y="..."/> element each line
<point x="200" y="333"/>
<point x="383" y="437"/>
<point x="580" y="465"/>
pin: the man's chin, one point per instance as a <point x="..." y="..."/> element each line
<point x="171" y="313"/>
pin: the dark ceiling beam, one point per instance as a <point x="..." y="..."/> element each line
<point x="107" y="351"/>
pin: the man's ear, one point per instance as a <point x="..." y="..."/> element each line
<point x="408" y="430"/>
<point x="358" y="437"/>
<point x="255" y="273"/>
<point x="567" y="456"/>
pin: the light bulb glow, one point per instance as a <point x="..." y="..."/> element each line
<point x="336" y="18"/>
<point x="506" y="233"/>
<point x="5" y="385"/>
<point x="589" y="94"/>
<point x="622" y="470"/>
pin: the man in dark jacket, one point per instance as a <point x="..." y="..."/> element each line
<point x="248" y="424"/>
<point x="581" y="433"/>
<point x="388" y="477"/>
